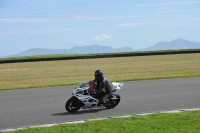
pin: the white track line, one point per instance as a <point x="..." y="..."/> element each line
<point x="13" y="69"/>
<point x="83" y="121"/>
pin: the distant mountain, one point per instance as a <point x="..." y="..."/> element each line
<point x="171" y="45"/>
<point x="174" y="44"/>
<point x="75" y="50"/>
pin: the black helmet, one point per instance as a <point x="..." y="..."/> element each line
<point x="98" y="75"/>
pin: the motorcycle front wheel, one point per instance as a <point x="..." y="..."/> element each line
<point x="73" y="105"/>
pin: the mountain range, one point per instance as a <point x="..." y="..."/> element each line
<point x="171" y="45"/>
<point x="174" y="44"/>
<point x="75" y="50"/>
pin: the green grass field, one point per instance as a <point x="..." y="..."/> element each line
<point x="68" y="72"/>
<point x="184" y="122"/>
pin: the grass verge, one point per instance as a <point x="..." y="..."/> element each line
<point x="98" y="55"/>
<point x="184" y="122"/>
<point x="68" y="72"/>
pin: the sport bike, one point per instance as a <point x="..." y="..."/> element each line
<point x="84" y="96"/>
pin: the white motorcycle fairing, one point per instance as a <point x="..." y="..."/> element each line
<point x="82" y="93"/>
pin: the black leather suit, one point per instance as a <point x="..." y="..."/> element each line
<point x="104" y="88"/>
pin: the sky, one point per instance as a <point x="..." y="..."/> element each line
<point x="63" y="24"/>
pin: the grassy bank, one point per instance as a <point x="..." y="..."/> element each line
<point x="91" y="56"/>
<point x="185" y="122"/>
<point x="68" y="72"/>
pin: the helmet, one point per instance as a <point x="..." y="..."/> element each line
<point x="98" y="75"/>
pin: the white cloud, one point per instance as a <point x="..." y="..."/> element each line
<point x="188" y="2"/>
<point x="16" y="33"/>
<point x="22" y="18"/>
<point x="179" y="35"/>
<point x="79" y="42"/>
<point x="169" y="4"/>
<point x="132" y="24"/>
<point x="64" y="18"/>
<point x="101" y="38"/>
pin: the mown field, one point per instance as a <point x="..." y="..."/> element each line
<point x="68" y="72"/>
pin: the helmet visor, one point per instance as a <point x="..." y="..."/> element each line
<point x="98" y="77"/>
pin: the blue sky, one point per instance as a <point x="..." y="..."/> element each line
<point x="63" y="24"/>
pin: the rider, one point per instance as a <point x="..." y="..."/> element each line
<point x="103" y="85"/>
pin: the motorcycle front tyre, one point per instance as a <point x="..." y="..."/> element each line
<point x="73" y="105"/>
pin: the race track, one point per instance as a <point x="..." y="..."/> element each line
<point x="21" y="108"/>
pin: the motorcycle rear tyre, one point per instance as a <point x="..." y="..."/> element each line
<point x="117" y="100"/>
<point x="113" y="102"/>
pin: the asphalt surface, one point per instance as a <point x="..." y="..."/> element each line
<point x="22" y="108"/>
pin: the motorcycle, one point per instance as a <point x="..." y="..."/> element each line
<point x="83" y="96"/>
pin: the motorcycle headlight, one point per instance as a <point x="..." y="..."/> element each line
<point x="79" y="92"/>
<point x="74" y="92"/>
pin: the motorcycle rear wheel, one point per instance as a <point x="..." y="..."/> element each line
<point x="117" y="100"/>
<point x="113" y="102"/>
<point x="73" y="105"/>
